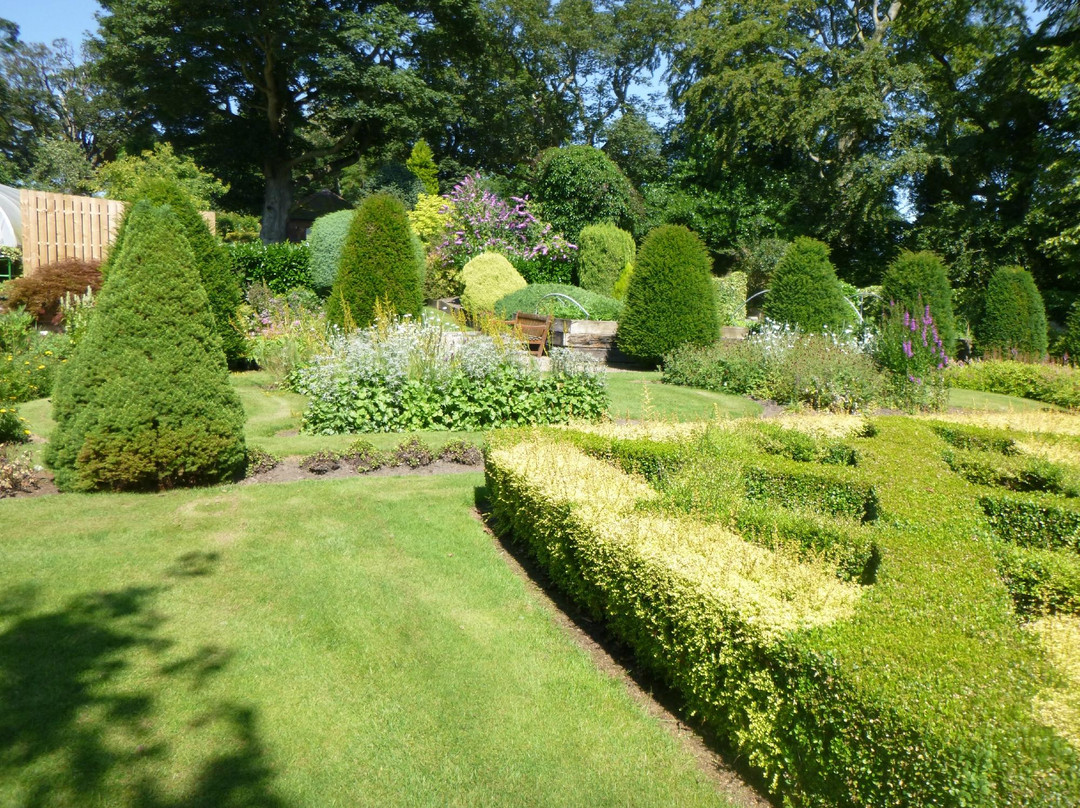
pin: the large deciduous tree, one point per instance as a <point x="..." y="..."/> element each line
<point x="846" y="98"/>
<point x="60" y="121"/>
<point x="288" y="84"/>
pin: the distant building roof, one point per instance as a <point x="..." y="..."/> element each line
<point x="318" y="204"/>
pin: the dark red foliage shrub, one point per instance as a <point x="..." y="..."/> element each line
<point x="41" y="292"/>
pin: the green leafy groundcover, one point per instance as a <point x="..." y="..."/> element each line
<point x="836" y="608"/>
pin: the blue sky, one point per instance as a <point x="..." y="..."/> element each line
<point x="46" y="20"/>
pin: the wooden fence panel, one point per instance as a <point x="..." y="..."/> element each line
<point x="58" y="227"/>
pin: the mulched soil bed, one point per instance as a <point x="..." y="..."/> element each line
<point x="288" y="470"/>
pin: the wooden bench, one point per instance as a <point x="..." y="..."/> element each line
<point x="534" y="330"/>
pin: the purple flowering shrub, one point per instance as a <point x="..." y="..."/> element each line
<point x="481" y="221"/>
<point x="910" y="348"/>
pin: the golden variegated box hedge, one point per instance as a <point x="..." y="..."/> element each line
<point x="854" y="617"/>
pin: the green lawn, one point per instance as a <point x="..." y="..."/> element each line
<point x="638" y="394"/>
<point x="993" y="402"/>
<point x="308" y="644"/>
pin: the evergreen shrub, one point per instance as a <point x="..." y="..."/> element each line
<point x="604" y="252"/>
<point x="730" y="298"/>
<point x="211" y="259"/>
<point x="622" y="285"/>
<point x="488" y="278"/>
<point x="576" y="186"/>
<point x="382" y="262"/>
<point x="805" y="291"/>
<point x="533" y="298"/>
<point x="421" y="163"/>
<point x="670" y="301"/>
<point x="915" y="280"/>
<point x="145" y="402"/>
<point x="1072" y="334"/>
<point x="281" y="267"/>
<point x="1014" y="319"/>
<point x="325" y="242"/>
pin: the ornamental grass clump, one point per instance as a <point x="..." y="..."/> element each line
<point x="145" y="402"/>
<point x="382" y="263"/>
<point x="912" y="350"/>
<point x="404" y="376"/>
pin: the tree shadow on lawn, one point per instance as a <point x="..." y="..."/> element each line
<point x="81" y="690"/>
<point x="740" y="784"/>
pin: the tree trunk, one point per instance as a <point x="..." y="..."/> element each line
<point x="277" y="200"/>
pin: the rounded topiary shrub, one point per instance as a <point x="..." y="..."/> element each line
<point x="326" y="239"/>
<point x="670" y="301"/>
<point x="805" y="291"/>
<point x="211" y="259"/>
<point x="539" y="298"/>
<point x="916" y="280"/>
<point x="382" y="260"/>
<point x="488" y="278"/>
<point x="604" y="252"/>
<point x="145" y="401"/>
<point x="1014" y="319"/>
<point x="577" y="186"/>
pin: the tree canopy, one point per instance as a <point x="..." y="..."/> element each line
<point x="286" y="87"/>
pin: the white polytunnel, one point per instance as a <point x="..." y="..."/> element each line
<point x="10" y="217"/>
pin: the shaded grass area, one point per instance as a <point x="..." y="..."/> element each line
<point x="316" y="643"/>
<point x="640" y="394"/>
<point x="994" y="402"/>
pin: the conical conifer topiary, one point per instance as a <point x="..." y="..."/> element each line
<point x="671" y="301"/>
<point x="1014" y="317"/>
<point x="916" y="280"/>
<point x="805" y="291"/>
<point x="211" y="259"/>
<point x="145" y="401"/>
<point x="382" y="260"/>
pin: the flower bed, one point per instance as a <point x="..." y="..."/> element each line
<point x="411" y="376"/>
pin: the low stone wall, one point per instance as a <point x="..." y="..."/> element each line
<point x="594" y="337"/>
